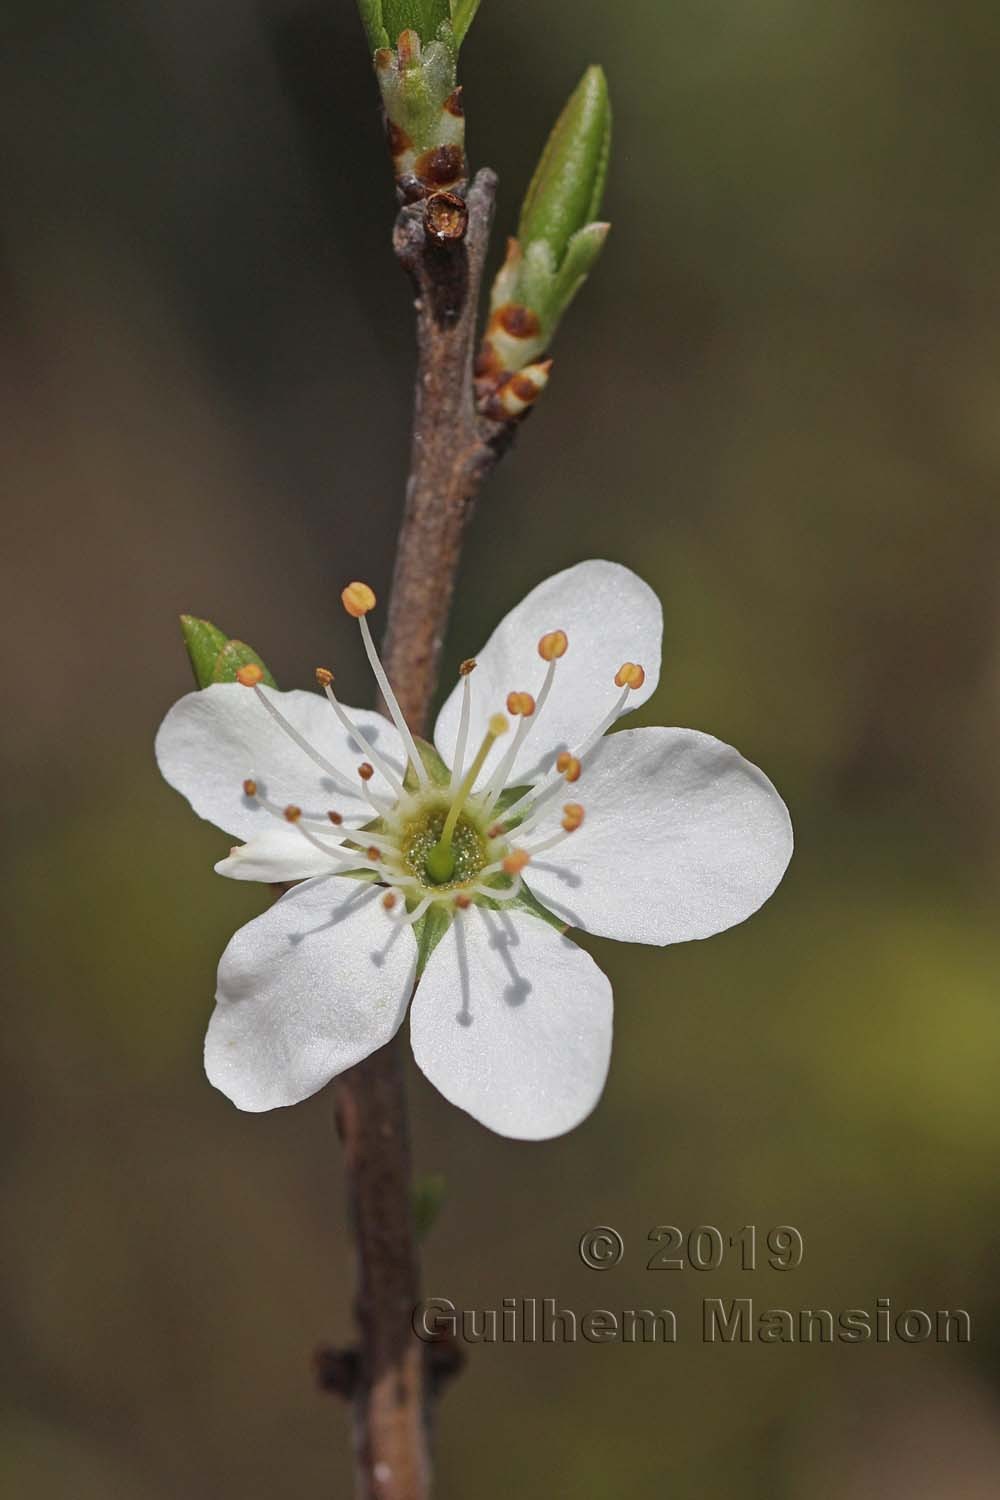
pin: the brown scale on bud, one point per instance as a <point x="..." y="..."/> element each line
<point x="521" y="703"/>
<point x="567" y="765"/>
<point x="453" y="105"/>
<point x="439" y="167"/>
<point x="250" y="675"/>
<point x="324" y="676"/>
<point x="446" y="218"/>
<point x="399" y="141"/>
<point x="518" y="393"/>
<point x="366" y="770"/>
<point x="516" y="321"/>
<point x="336" y="818"/>
<point x="250" y="787"/>
<point x="408" y="49"/>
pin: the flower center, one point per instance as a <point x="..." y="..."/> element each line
<point x="441" y="844"/>
<point x="424" y="856"/>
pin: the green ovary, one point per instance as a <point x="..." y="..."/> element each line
<point x="440" y="869"/>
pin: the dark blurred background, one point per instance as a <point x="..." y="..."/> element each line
<point x="779" y="399"/>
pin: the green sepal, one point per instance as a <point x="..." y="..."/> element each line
<point x="506" y="799"/>
<point x="429" y="931"/>
<point x="204" y="641"/>
<point x="427" y="1198"/>
<point x="565" y="192"/>
<point x="236" y="654"/>
<point x="526" y="902"/>
<point x="214" y="656"/>
<point x="463" y="13"/>
<point x="433" y="765"/>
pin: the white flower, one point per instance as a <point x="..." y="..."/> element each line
<point x="470" y="865"/>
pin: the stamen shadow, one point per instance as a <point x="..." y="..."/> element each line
<point x="502" y="942"/>
<point x="464" y="1016"/>
<point x="366" y="892"/>
<point x="568" y="877"/>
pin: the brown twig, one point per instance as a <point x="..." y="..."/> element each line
<point x="442" y="244"/>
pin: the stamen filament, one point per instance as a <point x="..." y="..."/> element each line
<point x="391" y="704"/>
<point x="463" y="731"/>
<point x="304" y="745"/>
<point x="357" y="733"/>
<point x="498" y="780"/>
<point x="414" y="915"/>
<point x="544" y="789"/>
<point x="441" y="861"/>
<point x="499" y="893"/>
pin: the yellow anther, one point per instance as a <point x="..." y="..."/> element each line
<point x="495" y="830"/>
<point x="521" y="703"/>
<point x="553" y="645"/>
<point x="630" y="675"/>
<point x="358" y="599"/>
<point x="462" y="901"/>
<point x="366" y="771"/>
<point x="250" y="674"/>
<point x="389" y="900"/>
<point x="498" y="725"/>
<point x="373" y="853"/>
<point x="324" y="676"/>
<point x="516" y="861"/>
<point x="292" y="813"/>
<point x="335" y="818"/>
<point x="467" y="666"/>
<point x="572" y="816"/>
<point x="567" y="765"/>
<point x="250" y="787"/>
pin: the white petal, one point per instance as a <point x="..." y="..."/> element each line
<point x="306" y="990"/>
<point x="609" y="615"/>
<point x="212" y="741"/>
<point x="682" y="838"/>
<point x="279" y="853"/>
<point x="512" y="1022"/>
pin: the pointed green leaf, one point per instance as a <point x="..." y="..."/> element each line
<point x="236" y="654"/>
<point x="371" y="20"/>
<point x="565" y="192"/>
<point x="581" y="254"/>
<point x="429" y="1193"/>
<point x="463" y="13"/>
<point x="204" y="641"/>
<point x="425" y="17"/>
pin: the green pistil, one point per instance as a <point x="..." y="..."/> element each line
<point x="441" y="863"/>
<point x="466" y="851"/>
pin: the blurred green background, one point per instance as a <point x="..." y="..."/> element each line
<point x="779" y="400"/>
